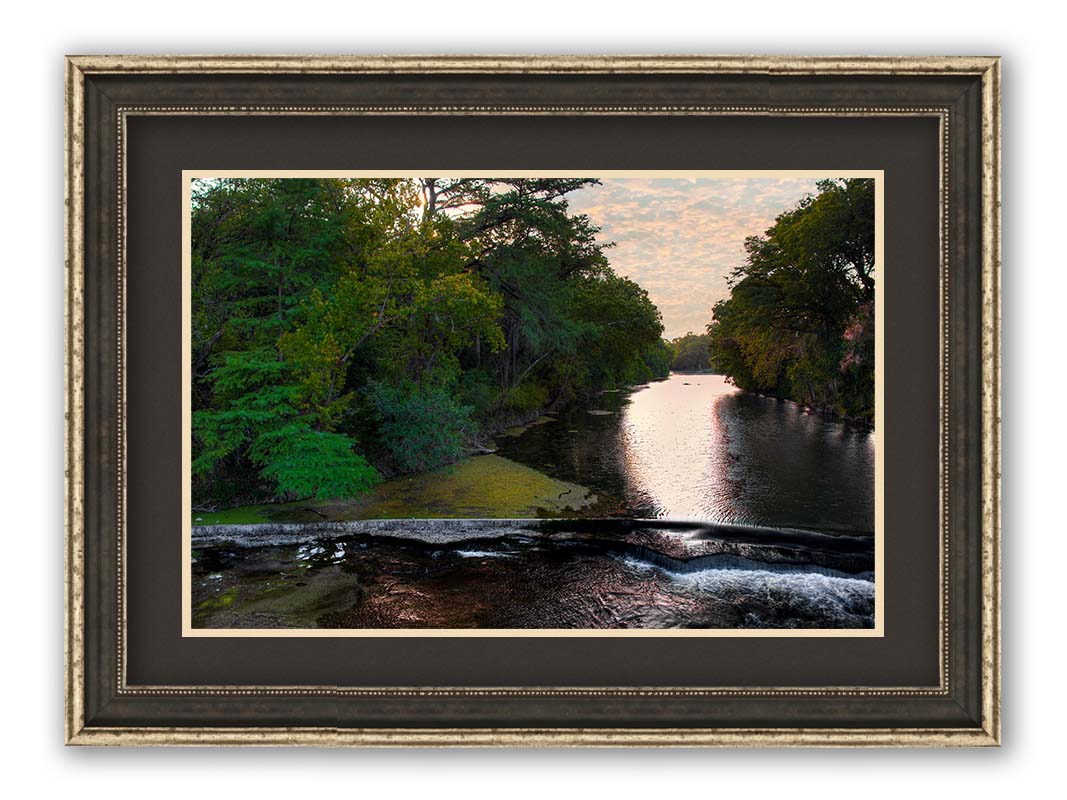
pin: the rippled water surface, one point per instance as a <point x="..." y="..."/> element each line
<point x="694" y="447"/>
<point x="513" y="583"/>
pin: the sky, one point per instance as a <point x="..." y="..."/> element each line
<point x="680" y="238"/>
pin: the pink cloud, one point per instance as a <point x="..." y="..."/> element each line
<point x="681" y="237"/>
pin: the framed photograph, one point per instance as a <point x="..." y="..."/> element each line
<point x="533" y="401"/>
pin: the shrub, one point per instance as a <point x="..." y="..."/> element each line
<point x="421" y="427"/>
<point x="527" y="397"/>
<point x="304" y="462"/>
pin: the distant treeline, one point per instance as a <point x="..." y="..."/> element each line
<point x="799" y="322"/>
<point x="691" y="353"/>
<point x="348" y="329"/>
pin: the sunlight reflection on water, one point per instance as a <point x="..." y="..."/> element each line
<point x="693" y="446"/>
<point x="675" y="447"/>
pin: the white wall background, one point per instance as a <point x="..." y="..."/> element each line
<point x="36" y="36"/>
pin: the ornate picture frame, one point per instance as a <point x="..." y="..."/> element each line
<point x="128" y="120"/>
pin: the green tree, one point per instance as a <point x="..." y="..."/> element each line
<point x="530" y="250"/>
<point x="348" y="329"/>
<point x="657" y="358"/>
<point x="799" y="321"/>
<point x="619" y="326"/>
<point x="691" y="353"/>
<point x="263" y="254"/>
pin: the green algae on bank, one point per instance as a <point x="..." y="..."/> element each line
<point x="478" y="487"/>
<point x="220" y="601"/>
<point x="290" y="594"/>
<point x="244" y="515"/>
<point x="518" y="430"/>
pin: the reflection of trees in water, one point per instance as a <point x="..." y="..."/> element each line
<point x="729" y="486"/>
<point x="693" y="446"/>
<point x="797" y="467"/>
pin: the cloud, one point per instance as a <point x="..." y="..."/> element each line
<point x="681" y="237"/>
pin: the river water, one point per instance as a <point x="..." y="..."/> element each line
<point x="693" y="447"/>
<point x="687" y="448"/>
<point x="515" y="582"/>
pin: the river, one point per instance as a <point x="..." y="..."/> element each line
<point x="694" y="447"/>
<point x="784" y="500"/>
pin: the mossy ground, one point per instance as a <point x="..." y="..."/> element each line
<point x="479" y="487"/>
<point x="290" y="598"/>
<point x="220" y="601"/>
<point x="245" y="515"/>
<point x="518" y="430"/>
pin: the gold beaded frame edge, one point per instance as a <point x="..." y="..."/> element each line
<point x="988" y="733"/>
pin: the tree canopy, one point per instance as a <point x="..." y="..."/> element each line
<point x="691" y="353"/>
<point x="347" y="329"/>
<point x="799" y="322"/>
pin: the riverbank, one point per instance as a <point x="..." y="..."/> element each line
<point x="690" y="447"/>
<point x="477" y="487"/>
<point x="824" y="411"/>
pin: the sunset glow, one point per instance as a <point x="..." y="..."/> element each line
<point x="681" y="237"/>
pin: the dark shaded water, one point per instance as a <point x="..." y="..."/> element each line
<point x="693" y="447"/>
<point x="516" y="582"/>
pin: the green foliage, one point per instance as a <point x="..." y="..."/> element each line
<point x="799" y="322"/>
<point x="619" y="324"/>
<point x="423" y="426"/>
<point x="343" y="328"/>
<point x="658" y="357"/>
<point x="636" y="372"/>
<point x="304" y="462"/>
<point x="478" y="390"/>
<point x="527" y="396"/>
<point x="691" y="353"/>
<point x="251" y="396"/>
<point x="258" y="419"/>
